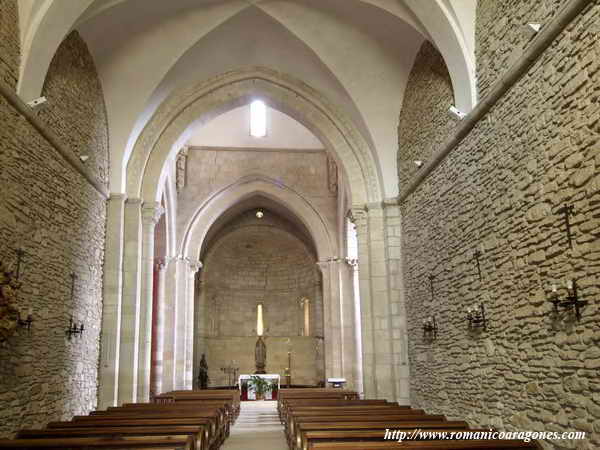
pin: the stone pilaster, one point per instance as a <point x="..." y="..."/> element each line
<point x="393" y="233"/>
<point x="151" y="213"/>
<point x="130" y="313"/>
<point x="111" y="310"/>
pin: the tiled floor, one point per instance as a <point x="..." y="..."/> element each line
<point x="257" y="428"/>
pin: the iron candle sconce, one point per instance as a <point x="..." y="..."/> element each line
<point x="73" y="328"/>
<point x="430" y="328"/>
<point x="25" y="323"/>
<point x="571" y="302"/>
<point x="476" y="317"/>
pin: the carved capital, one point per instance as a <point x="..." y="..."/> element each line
<point x="151" y="213"/>
<point x="195" y="266"/>
<point x="359" y="216"/>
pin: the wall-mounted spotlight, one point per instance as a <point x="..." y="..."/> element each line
<point x="37" y="102"/>
<point x="476" y="317"/>
<point x="571" y="302"/>
<point x="418" y="163"/>
<point x="456" y="113"/>
<point x="430" y="328"/>
<point x="533" y="27"/>
<point x="84" y="158"/>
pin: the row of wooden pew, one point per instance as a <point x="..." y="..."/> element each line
<point x="328" y="419"/>
<point x="180" y="420"/>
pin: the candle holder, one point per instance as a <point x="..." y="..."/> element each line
<point x="73" y="328"/>
<point x="430" y="328"/>
<point x="25" y="323"/>
<point x="570" y="302"/>
<point x="231" y="373"/>
<point x="476" y="317"/>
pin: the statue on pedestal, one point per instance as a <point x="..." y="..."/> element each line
<point x="260" y="356"/>
<point x="203" y="373"/>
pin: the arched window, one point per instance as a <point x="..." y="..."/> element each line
<point x="305" y="311"/>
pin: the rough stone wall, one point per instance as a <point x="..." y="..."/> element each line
<point x="256" y="262"/>
<point x="424" y="120"/>
<point x="500" y="192"/>
<point x="53" y="214"/>
<point x="501" y="35"/>
<point x="9" y="42"/>
<point x="69" y="102"/>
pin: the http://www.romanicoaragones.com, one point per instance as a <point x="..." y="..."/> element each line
<point x="525" y="436"/>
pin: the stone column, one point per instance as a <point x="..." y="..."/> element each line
<point x="108" y="373"/>
<point x="130" y="306"/>
<point x="195" y="266"/>
<point x="169" y="324"/>
<point x="350" y="370"/>
<point x="360" y="219"/>
<point x="332" y="318"/>
<point x="160" y="329"/>
<point x="151" y="213"/>
<point x="179" y="328"/>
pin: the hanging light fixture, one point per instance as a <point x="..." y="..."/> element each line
<point x="259" y="214"/>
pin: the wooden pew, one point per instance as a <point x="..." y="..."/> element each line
<point x="230" y="396"/>
<point x="427" y="445"/>
<point x="309" y="438"/>
<point x="136" y="443"/>
<point x="198" y="433"/>
<point x="292" y="404"/>
<point x="212" y="439"/>
<point x="296" y="440"/>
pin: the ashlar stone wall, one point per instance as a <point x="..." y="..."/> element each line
<point x="52" y="213"/>
<point x="500" y="192"/>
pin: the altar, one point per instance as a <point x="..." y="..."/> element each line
<point x="247" y="389"/>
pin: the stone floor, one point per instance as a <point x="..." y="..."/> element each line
<point x="257" y="428"/>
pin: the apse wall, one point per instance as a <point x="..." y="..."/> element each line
<point x="500" y="192"/>
<point x="255" y="262"/>
<point x="50" y="210"/>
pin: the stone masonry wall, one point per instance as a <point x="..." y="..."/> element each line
<point x="9" y="42"/>
<point x="75" y="110"/>
<point x="58" y="219"/>
<point x="500" y="192"/>
<point x="501" y="34"/>
<point x="424" y="120"/>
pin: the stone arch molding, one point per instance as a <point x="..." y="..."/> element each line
<point x="206" y="100"/>
<point x="206" y="215"/>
